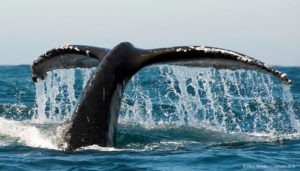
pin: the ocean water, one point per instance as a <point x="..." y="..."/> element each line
<point x="172" y="118"/>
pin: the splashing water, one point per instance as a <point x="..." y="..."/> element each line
<point x="55" y="96"/>
<point x="245" y="105"/>
<point x="177" y="96"/>
<point x="55" y="101"/>
<point x="233" y="101"/>
<point x="25" y="133"/>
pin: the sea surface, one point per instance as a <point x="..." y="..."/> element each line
<point x="171" y="118"/>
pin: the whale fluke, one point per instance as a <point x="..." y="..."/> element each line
<point x="204" y="56"/>
<point x="67" y="56"/>
<point x="95" y="117"/>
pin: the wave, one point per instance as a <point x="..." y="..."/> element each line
<point x="132" y="138"/>
<point x="25" y="133"/>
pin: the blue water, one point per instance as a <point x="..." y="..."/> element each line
<point x="172" y="118"/>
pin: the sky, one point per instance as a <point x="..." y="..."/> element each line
<point x="268" y="30"/>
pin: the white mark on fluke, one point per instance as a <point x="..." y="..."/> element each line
<point x="76" y="48"/>
<point x="87" y="52"/>
<point x="283" y="75"/>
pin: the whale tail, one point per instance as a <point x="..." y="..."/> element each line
<point x="65" y="57"/>
<point x="95" y="117"/>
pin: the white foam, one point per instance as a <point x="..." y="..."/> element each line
<point x="26" y="134"/>
<point x="98" y="148"/>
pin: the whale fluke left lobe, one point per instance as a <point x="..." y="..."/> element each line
<point x="65" y="57"/>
